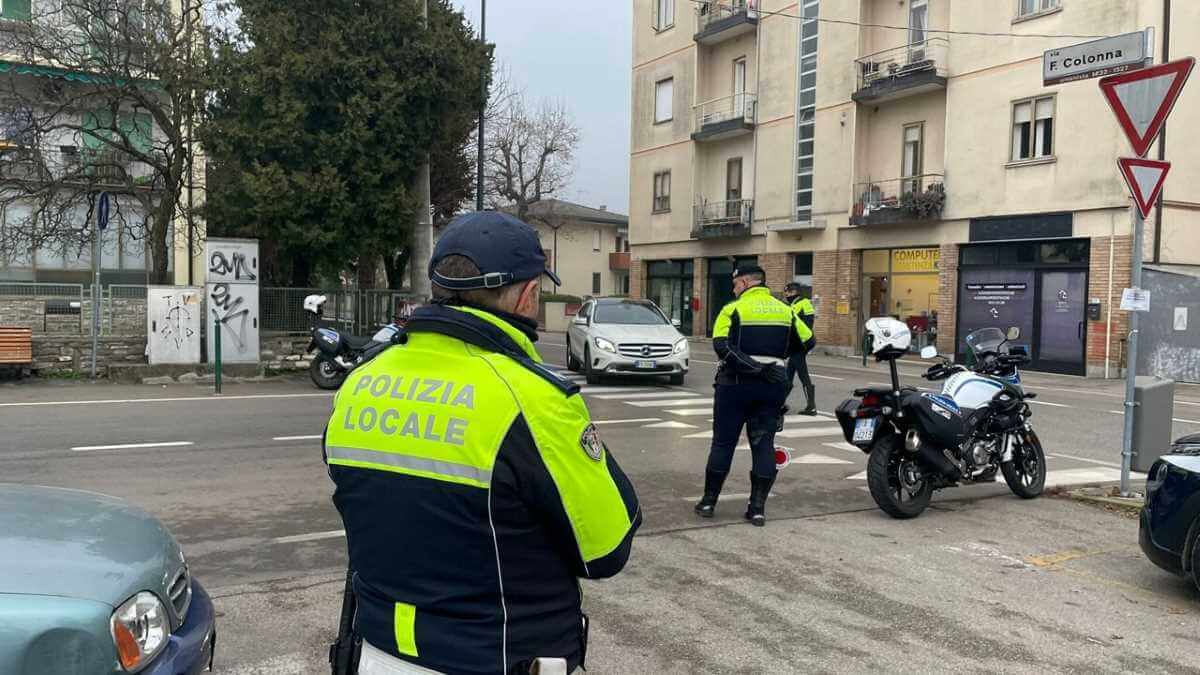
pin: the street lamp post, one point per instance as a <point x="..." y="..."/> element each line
<point x="482" y="110"/>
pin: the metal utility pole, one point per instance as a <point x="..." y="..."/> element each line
<point x="1131" y="355"/>
<point x="422" y="236"/>
<point x="482" y="109"/>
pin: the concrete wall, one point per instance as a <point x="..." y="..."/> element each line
<point x="1163" y="350"/>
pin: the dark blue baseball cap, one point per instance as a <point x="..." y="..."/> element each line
<point x="505" y="249"/>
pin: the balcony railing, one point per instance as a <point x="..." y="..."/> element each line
<point x="719" y="20"/>
<point x="725" y="117"/>
<point x="618" y="260"/>
<point x="730" y="218"/>
<point x="899" y="200"/>
<point x="902" y="71"/>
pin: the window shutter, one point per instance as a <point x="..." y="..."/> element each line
<point x="1021" y="113"/>
<point x="1045" y="108"/>
<point x="664" y="94"/>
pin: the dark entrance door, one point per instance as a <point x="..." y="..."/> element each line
<point x="669" y="285"/>
<point x="720" y="284"/>
<point x="1061" y="312"/>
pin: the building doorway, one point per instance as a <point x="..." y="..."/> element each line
<point x="903" y="283"/>
<point x="1040" y="287"/>
<point x="720" y="284"/>
<point x="669" y="285"/>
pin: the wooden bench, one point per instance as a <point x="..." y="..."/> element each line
<point x="16" y="346"/>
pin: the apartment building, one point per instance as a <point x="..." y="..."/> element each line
<point x="898" y="157"/>
<point x="588" y="248"/>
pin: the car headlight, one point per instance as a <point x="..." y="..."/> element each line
<point x="681" y="346"/>
<point x="139" y="630"/>
<point x="607" y="346"/>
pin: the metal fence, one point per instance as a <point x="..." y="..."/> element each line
<point x="66" y="309"/>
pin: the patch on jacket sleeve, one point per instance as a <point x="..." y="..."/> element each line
<point x="590" y="440"/>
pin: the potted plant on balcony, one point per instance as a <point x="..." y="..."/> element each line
<point x="927" y="204"/>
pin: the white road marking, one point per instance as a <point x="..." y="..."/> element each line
<point x="1084" y="459"/>
<point x="645" y="395"/>
<point x="843" y="446"/>
<point x="804" y="419"/>
<point x="692" y="412"/>
<point x="1173" y="419"/>
<point x="312" y="536"/>
<point x="670" y="403"/>
<point x="637" y="421"/>
<point x="1047" y="403"/>
<point x="314" y="437"/>
<point x="826" y="377"/>
<point x="177" y="399"/>
<point x="1084" y="476"/>
<point x="670" y="424"/>
<point x="1178" y="402"/>
<point x="809" y="432"/>
<point x="552" y="344"/>
<point x="133" y="446"/>
<point x="819" y="459"/>
<point x="862" y="475"/>
<point x="593" y="390"/>
<point x="725" y="497"/>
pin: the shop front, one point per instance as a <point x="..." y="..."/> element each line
<point x="669" y="285"/>
<point x="720" y="284"/>
<point x="1037" y="286"/>
<point x="903" y="283"/>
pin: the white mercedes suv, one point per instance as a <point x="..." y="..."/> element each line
<point x="619" y="336"/>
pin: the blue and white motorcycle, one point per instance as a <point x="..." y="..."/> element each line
<point x="921" y="442"/>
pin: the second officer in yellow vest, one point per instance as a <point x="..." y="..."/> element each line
<point x="798" y="362"/>
<point x="753" y="336"/>
<point x="474" y="488"/>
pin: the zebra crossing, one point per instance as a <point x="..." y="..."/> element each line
<point x="658" y="406"/>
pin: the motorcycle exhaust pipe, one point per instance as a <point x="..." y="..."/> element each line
<point x="930" y="456"/>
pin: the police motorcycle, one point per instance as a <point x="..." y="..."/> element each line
<point x="921" y="442"/>
<point x="339" y="352"/>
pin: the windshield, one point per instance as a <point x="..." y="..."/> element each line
<point x="629" y="314"/>
<point x="985" y="340"/>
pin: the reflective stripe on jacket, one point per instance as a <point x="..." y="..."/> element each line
<point x="474" y="491"/>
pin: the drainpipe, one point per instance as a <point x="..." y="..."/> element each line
<point x="1112" y="239"/>
<point x="1162" y="135"/>
<point x="757" y="89"/>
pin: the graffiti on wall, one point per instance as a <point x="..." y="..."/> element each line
<point x="232" y="296"/>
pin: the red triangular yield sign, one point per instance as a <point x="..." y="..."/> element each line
<point x="1143" y="99"/>
<point x="1145" y="178"/>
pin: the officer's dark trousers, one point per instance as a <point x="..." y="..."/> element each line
<point x="798" y="364"/>
<point x="755" y="405"/>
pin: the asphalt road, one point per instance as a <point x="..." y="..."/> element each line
<point x="238" y="479"/>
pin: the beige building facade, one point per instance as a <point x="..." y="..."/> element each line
<point x="897" y="161"/>
<point x="588" y="248"/>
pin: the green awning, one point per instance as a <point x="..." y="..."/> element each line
<point x="64" y="74"/>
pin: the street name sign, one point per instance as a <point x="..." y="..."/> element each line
<point x="1098" y="58"/>
<point x="1143" y="99"/>
<point x="1145" y="178"/>
<point x="1135" y="300"/>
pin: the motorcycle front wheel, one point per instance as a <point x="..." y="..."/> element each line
<point x="897" y="483"/>
<point x="325" y="373"/>
<point x="1026" y="472"/>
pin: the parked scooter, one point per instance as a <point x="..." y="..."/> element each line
<point x="339" y="352"/>
<point x="921" y="442"/>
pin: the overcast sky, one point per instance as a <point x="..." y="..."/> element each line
<point x="577" y="52"/>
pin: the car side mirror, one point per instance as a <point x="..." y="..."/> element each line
<point x="676" y="322"/>
<point x="580" y="320"/>
<point x="1013" y="333"/>
<point x="929" y="352"/>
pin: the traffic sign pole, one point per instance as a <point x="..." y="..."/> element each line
<point x="1131" y="353"/>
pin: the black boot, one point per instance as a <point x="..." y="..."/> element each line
<point x="760" y="487"/>
<point x="810" y="393"/>
<point x="713" y="480"/>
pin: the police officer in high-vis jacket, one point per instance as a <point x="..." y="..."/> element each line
<point x="798" y="362"/>
<point x="474" y="488"/>
<point x="753" y="336"/>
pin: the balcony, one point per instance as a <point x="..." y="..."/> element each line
<point x="720" y="20"/>
<point x="899" y="200"/>
<point x="726" y="117"/>
<point x="723" y="220"/>
<point x="904" y="71"/>
<point x="618" y="261"/>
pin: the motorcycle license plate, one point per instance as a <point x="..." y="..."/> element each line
<point x="645" y="365"/>
<point x="864" y="429"/>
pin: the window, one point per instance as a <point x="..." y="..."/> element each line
<point x="662" y="192"/>
<point x="595" y="283"/>
<point x="912" y="156"/>
<point x="596" y="240"/>
<point x="1033" y="129"/>
<point x="1031" y="7"/>
<point x="664" y="14"/>
<point x="802" y="272"/>
<point x="664" y="92"/>
<point x="733" y="187"/>
<point x="16" y="10"/>
<point x="918" y="21"/>
<point x="806" y="96"/>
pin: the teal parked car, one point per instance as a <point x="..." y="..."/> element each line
<point x="92" y="585"/>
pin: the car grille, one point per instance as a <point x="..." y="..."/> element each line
<point x="642" y="350"/>
<point x="180" y="593"/>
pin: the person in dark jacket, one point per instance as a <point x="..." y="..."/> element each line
<point x="474" y="488"/>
